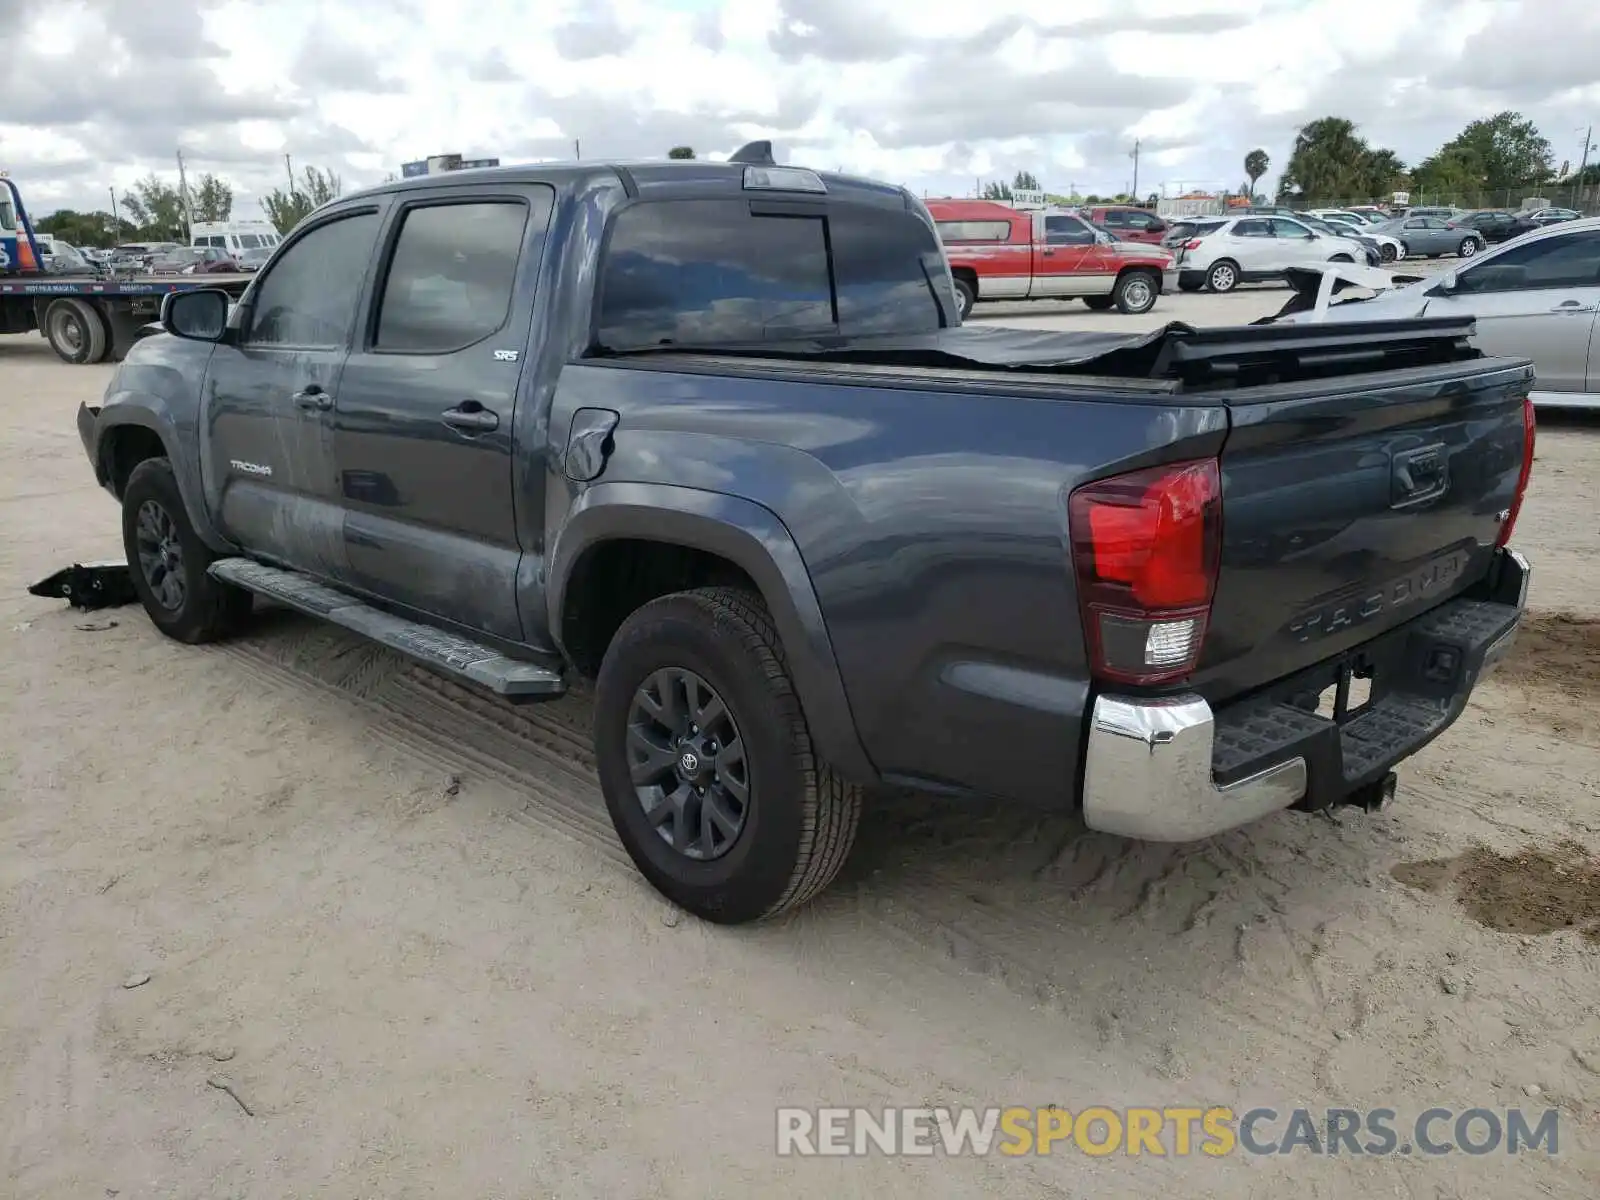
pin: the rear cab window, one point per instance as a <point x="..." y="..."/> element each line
<point x="723" y="272"/>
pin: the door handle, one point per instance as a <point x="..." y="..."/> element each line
<point x="1572" y="306"/>
<point x="313" y="397"/>
<point x="1048" y="253"/>
<point x="471" y="417"/>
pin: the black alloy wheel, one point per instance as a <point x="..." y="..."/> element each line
<point x="688" y="765"/>
<point x="160" y="555"/>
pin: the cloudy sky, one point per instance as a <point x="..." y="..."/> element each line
<point x="930" y="93"/>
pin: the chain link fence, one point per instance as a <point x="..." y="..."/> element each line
<point x="1584" y="199"/>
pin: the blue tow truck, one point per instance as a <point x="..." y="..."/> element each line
<point x="86" y="319"/>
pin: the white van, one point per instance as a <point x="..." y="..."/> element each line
<point x="234" y="236"/>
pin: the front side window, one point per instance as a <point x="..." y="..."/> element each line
<point x="450" y="280"/>
<point x="1290" y="229"/>
<point x="1067" y="231"/>
<point x="1558" y="262"/>
<point x="309" y="296"/>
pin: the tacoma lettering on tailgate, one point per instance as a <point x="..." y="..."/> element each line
<point x="1429" y="580"/>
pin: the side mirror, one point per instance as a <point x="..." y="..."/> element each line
<point x="200" y="316"/>
<point x="1447" y="285"/>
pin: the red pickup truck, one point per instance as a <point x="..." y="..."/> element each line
<point x="999" y="253"/>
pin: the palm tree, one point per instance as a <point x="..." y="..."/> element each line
<point x="1255" y="166"/>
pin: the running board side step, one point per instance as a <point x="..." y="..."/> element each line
<point x="515" y="679"/>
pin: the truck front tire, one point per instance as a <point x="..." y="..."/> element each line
<point x="706" y="763"/>
<point x="168" y="561"/>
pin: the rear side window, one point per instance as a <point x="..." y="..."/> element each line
<point x="975" y="231"/>
<point x="450" y="278"/>
<point x="701" y="272"/>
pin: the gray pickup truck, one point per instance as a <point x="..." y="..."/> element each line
<point x="713" y="436"/>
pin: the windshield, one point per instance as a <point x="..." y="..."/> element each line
<point x="8" y="215"/>
<point x="250" y="241"/>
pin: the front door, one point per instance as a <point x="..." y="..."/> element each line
<point x="1534" y="300"/>
<point x="267" y="443"/>
<point x="423" y="428"/>
<point x="1059" y="253"/>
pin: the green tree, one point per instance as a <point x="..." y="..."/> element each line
<point x="1256" y="164"/>
<point x="997" y="190"/>
<point x="314" y="188"/>
<point x="85" y="228"/>
<point x="1332" y="161"/>
<point x="156" y="210"/>
<point x="212" y="199"/>
<point x="1505" y="152"/>
<point x="1026" y="181"/>
<point x="681" y="152"/>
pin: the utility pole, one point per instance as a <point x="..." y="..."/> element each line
<point x="1588" y="141"/>
<point x="116" y="221"/>
<point x="577" y="148"/>
<point x="183" y="200"/>
<point x="288" y="168"/>
<point x="1135" y="157"/>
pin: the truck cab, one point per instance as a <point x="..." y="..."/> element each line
<point x="999" y="253"/>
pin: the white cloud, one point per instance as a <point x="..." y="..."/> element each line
<point x="99" y="92"/>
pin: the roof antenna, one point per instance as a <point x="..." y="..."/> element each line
<point x="754" y="154"/>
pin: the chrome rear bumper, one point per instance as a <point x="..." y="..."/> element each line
<point x="1148" y="770"/>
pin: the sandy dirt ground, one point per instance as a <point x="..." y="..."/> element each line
<point x="388" y="917"/>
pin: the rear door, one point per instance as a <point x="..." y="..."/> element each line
<point x="267" y="449"/>
<point x="422" y="432"/>
<point x="1253" y="245"/>
<point x="1535" y="300"/>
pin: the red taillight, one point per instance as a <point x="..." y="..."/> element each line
<point x="1146" y="548"/>
<point x="1192" y="244"/>
<point x="1510" y="523"/>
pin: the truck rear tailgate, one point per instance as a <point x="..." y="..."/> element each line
<point x="1354" y="506"/>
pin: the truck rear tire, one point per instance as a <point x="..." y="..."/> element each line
<point x="706" y="763"/>
<point x="168" y="561"/>
<point x="76" y="331"/>
<point x="966" y="296"/>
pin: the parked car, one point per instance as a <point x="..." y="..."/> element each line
<point x="1380" y="247"/>
<point x="1552" y="216"/>
<point x="194" y="260"/>
<point x="1444" y="212"/>
<point x="998" y="253"/>
<point x="1535" y="297"/>
<point x="1496" y="225"/>
<point x="1430" y="237"/>
<point x="1185" y="228"/>
<point x="706" y="435"/>
<point x="1249" y="249"/>
<point x="253" y="259"/>
<point x="1127" y="223"/>
<point x="65" y="259"/>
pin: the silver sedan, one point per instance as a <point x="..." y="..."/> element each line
<point x="1433" y="236"/>
<point x="1536" y="296"/>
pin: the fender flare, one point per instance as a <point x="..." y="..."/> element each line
<point x="754" y="539"/>
<point x="129" y="409"/>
